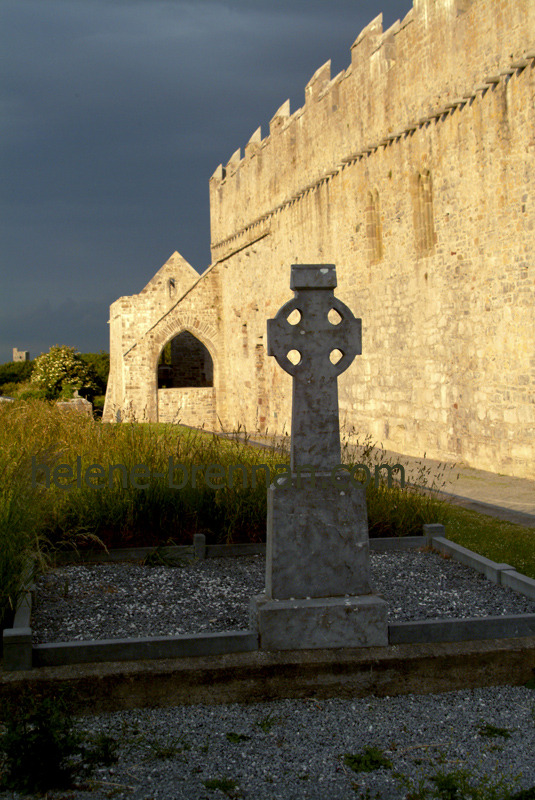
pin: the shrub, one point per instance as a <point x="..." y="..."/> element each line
<point x="42" y="750"/>
<point x="14" y="372"/>
<point x="60" y="371"/>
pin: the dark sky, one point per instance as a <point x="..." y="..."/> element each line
<point x="114" y="114"/>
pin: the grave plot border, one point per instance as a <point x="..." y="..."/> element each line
<point x="21" y="654"/>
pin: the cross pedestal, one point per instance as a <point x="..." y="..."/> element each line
<point x="317" y="555"/>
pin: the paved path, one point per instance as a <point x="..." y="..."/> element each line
<point x="511" y="499"/>
<point x="501" y="496"/>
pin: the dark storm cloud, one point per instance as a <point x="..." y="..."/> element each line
<point x="114" y="114"/>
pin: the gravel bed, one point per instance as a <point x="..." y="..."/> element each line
<point x="289" y="749"/>
<point x="103" y="601"/>
<point x="294" y="749"/>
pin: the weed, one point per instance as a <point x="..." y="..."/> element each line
<point x="102" y="750"/>
<point x="492" y="731"/>
<point x="236" y="738"/>
<point x="163" y="556"/>
<point x="225" y="785"/>
<point x="459" y="784"/>
<point x="370" y="759"/>
<point x="267" y="723"/>
<point x="163" y="751"/>
<point x="41" y="750"/>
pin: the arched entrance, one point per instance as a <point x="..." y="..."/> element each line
<point x="185" y="361"/>
<point x="185" y="376"/>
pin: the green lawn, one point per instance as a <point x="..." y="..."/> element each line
<point x="500" y="541"/>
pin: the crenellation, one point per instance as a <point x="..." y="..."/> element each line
<point x="254" y="143"/>
<point x="420" y="193"/>
<point x="233" y="162"/>
<point x="367" y="41"/>
<point x="318" y="82"/>
<point x="392" y="61"/>
<point x="281" y="116"/>
<point x="219" y="174"/>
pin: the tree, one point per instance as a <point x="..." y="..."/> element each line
<point x="98" y="365"/>
<point x="60" y="371"/>
<point x="15" y="372"/>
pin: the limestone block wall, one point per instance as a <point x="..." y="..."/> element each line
<point x="134" y="317"/>
<point x="194" y="406"/>
<point x="433" y="57"/>
<point x="136" y="375"/>
<point x="412" y="171"/>
<point x="441" y="173"/>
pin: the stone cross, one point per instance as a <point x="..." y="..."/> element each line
<point x="317" y="551"/>
<point x="325" y="327"/>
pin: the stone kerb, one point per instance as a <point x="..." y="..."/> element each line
<point x="20" y="655"/>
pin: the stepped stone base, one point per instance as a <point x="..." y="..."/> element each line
<point x="320" y="622"/>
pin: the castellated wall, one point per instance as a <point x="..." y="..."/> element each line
<point x="448" y="364"/>
<point x="412" y="171"/>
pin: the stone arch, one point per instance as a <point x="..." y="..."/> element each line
<point x="189" y="399"/>
<point x="168" y="330"/>
<point x="185" y="361"/>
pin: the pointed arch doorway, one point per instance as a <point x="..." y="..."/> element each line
<point x="185" y="375"/>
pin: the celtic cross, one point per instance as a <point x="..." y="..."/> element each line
<point x="306" y="345"/>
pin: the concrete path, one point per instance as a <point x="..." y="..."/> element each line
<point x="501" y="496"/>
<point x="511" y="499"/>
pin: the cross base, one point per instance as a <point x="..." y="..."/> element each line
<point x="322" y="622"/>
<point x="317" y="539"/>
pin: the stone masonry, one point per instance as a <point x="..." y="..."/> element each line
<point x="317" y="591"/>
<point x="422" y="193"/>
<point x="21" y="355"/>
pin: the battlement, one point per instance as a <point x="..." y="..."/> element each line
<point x="439" y="55"/>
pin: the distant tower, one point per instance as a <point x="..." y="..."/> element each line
<point x="21" y="355"/>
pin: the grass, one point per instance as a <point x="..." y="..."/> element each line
<point x="500" y="541"/>
<point x="36" y="437"/>
<point x="44" y="508"/>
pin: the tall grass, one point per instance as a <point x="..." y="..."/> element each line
<point x="401" y="508"/>
<point x="116" y="514"/>
<point x="36" y="437"/>
<point x="22" y="512"/>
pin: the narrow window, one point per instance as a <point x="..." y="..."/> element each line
<point x="424" y="222"/>
<point x="373" y="227"/>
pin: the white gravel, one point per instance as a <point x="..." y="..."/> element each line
<point x="117" y="600"/>
<point x="290" y="749"/>
<point x="294" y="749"/>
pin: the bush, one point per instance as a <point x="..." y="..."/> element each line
<point x="60" y="371"/>
<point x="14" y="372"/>
<point x="42" y="750"/>
<point x="98" y="366"/>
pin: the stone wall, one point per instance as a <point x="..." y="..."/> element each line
<point x="421" y="192"/>
<point x="192" y="406"/>
<point x="21" y="355"/>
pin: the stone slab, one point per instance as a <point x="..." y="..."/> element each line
<point x="458" y="630"/>
<point x="201" y="644"/>
<point x="317" y="541"/>
<point x="490" y="569"/>
<point x="320" y="622"/>
<point x="261" y="676"/>
<point x="520" y="583"/>
<point x="17" y="649"/>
